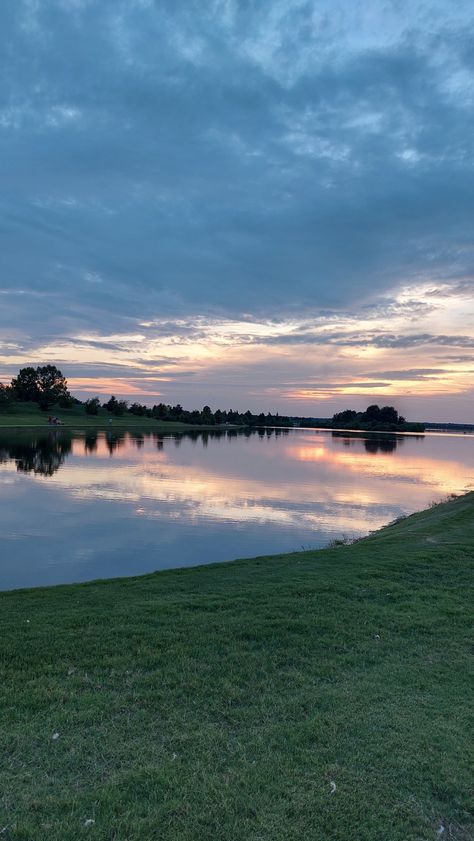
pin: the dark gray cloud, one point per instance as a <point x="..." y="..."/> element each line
<point x="411" y="373"/>
<point x="235" y="158"/>
<point x="463" y="357"/>
<point x="331" y="386"/>
<point x="375" y="338"/>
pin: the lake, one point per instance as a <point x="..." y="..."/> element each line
<point x="78" y="506"/>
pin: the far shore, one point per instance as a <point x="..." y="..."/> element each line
<point x="75" y="420"/>
<point x="24" y="416"/>
<point x="117" y="424"/>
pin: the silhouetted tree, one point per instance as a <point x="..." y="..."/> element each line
<point x="388" y="415"/>
<point x="160" y="411"/>
<point x="372" y="413"/>
<point x="374" y="418"/>
<point x="44" y="385"/>
<point x="345" y="417"/>
<point x="25" y="385"/>
<point x="206" y="415"/>
<point x="52" y="385"/>
<point x="138" y="409"/>
<point x="92" y="406"/>
<point x="116" y="407"/>
<point x="5" y="396"/>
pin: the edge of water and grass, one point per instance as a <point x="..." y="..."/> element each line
<point x="29" y="415"/>
<point x="25" y="416"/>
<point x="319" y="695"/>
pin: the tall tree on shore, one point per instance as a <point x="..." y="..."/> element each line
<point x="52" y="385"/>
<point x="25" y="385"/>
<point x="5" y="396"/>
<point x="44" y="385"/>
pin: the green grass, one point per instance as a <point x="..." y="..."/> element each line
<point x="27" y="415"/>
<point x="228" y="702"/>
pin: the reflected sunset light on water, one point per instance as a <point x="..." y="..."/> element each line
<point x="82" y="506"/>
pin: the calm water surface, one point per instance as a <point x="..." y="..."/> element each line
<point x="80" y="506"/>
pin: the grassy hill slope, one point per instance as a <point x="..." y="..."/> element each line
<point x="319" y="695"/>
<point x="30" y="415"/>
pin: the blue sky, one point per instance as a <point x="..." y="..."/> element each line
<point x="241" y="203"/>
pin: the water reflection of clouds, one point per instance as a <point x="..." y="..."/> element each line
<point x="187" y="492"/>
<point x="149" y="504"/>
<point x="444" y="476"/>
<point x="184" y="484"/>
<point x="335" y="517"/>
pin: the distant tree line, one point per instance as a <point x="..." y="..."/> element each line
<point x="203" y="417"/>
<point x="385" y="419"/>
<point x="47" y="387"/>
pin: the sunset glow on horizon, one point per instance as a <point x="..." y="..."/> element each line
<point x="257" y="206"/>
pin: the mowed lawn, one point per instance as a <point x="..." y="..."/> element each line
<point x="29" y="415"/>
<point x="321" y="695"/>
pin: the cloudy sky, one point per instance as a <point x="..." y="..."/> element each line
<point x="263" y="205"/>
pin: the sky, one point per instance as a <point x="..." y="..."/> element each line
<point x="264" y="205"/>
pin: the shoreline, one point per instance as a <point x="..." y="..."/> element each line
<point x="262" y="698"/>
<point x="118" y="424"/>
<point x="216" y="565"/>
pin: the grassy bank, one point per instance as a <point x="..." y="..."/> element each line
<point x="321" y="695"/>
<point x="29" y="415"/>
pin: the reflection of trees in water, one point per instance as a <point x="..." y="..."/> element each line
<point x="42" y="455"/>
<point x="372" y="443"/>
<point x="114" y="441"/>
<point x="206" y="435"/>
<point x="90" y="442"/>
<point x="381" y="445"/>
